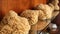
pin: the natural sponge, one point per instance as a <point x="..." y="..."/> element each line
<point x="31" y="15"/>
<point x="47" y="10"/>
<point x="42" y="15"/>
<point x="14" y="24"/>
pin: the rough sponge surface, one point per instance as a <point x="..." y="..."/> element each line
<point x="14" y="24"/>
<point x="31" y="15"/>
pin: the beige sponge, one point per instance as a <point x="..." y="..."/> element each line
<point x="14" y="24"/>
<point x="31" y="15"/>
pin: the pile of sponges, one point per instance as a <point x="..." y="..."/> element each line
<point x="28" y="20"/>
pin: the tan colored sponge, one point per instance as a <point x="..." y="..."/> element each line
<point x="14" y="24"/>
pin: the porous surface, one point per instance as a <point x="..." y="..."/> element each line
<point x="14" y="24"/>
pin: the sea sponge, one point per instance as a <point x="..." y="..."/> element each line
<point x="39" y="26"/>
<point x="14" y="24"/>
<point x="42" y="15"/>
<point x="47" y="10"/>
<point x="56" y="8"/>
<point x="55" y="4"/>
<point x="31" y="15"/>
